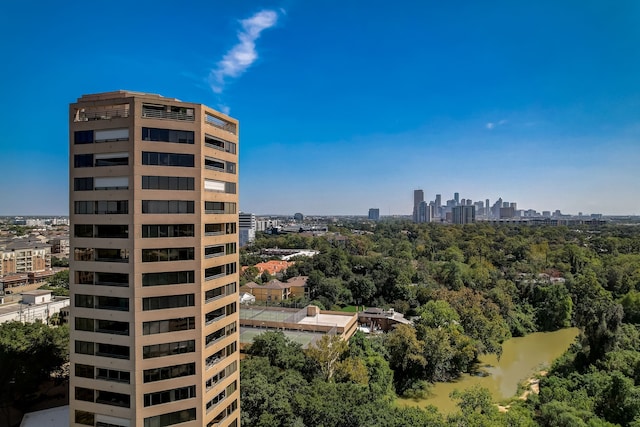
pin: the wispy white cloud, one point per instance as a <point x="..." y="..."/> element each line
<point x="492" y="125"/>
<point x="224" y="108"/>
<point x="240" y="57"/>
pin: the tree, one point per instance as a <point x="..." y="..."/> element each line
<point x="59" y="279"/>
<point x="278" y="349"/>
<point x="29" y="354"/>
<point x="327" y="352"/>
<point x="405" y="355"/>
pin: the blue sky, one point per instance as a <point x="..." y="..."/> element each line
<point x="347" y="105"/>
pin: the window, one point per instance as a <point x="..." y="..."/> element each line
<point x="111" y="183"/>
<point x="113" y="375"/>
<point x="112" y="303"/>
<point x="219" y="229"/>
<point x="112" y="279"/>
<point x="113" y="399"/>
<point x="84" y="347"/>
<point x="167" y="206"/>
<point x="84" y="324"/>
<point x="170" y="325"/>
<point x="230" y="369"/>
<point x="214" y="164"/>
<point x="85" y="418"/>
<point x="168" y="349"/>
<point x="167" y="159"/>
<point x="84" y="277"/>
<point x="222" y="395"/>
<point x="85" y="301"/>
<point x="111" y="135"/>
<point x="83" y="230"/>
<point x="84" y="371"/>
<point x="230" y="248"/>
<point x="167" y="135"/>
<point x="219" y="144"/>
<point x="167" y="396"/>
<point x="83" y="160"/>
<point x="167" y="254"/>
<point x="219" y="271"/>
<point x="83" y="137"/>
<point x="112" y="255"/>
<point x="213" y="251"/>
<point x="220" y="313"/>
<point x="233" y="406"/>
<point x="222" y="291"/>
<point x="113" y="351"/>
<point x="167" y="183"/>
<point x="112" y="327"/>
<point x="168" y="230"/>
<point x="168" y="278"/>
<point x="109" y="207"/>
<point x="169" y="372"/>
<point x="219" y="207"/>
<point x="231" y="167"/>
<point x="112" y="159"/>
<point x="83" y="184"/>
<point x="112" y="231"/>
<point x="169" y="301"/>
<point x="84" y="394"/>
<point x="171" y="418"/>
<point x="220" y="186"/>
<point x="220" y="333"/>
<point x="83" y="254"/>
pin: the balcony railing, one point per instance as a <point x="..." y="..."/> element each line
<point x="152" y="113"/>
<point x="221" y="123"/>
<point x="90" y="115"/>
<point x="215" y="319"/>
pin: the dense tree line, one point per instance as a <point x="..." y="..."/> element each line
<point x="469" y="288"/>
<point x="30" y="353"/>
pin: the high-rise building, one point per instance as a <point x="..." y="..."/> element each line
<point x="456" y="197"/>
<point x="153" y="275"/>
<point x="374" y="214"/>
<point x="425" y="212"/>
<point x="463" y="214"/>
<point x="247" y="228"/>
<point x="438" y="206"/>
<point x="418" y="197"/>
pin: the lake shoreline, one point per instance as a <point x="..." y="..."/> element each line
<point x="523" y="359"/>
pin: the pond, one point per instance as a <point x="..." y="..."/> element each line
<point x="521" y="358"/>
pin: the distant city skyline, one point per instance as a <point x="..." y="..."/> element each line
<point x="339" y="112"/>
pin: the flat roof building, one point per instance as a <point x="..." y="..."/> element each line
<point x="153" y="263"/>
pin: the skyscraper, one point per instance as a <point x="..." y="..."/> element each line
<point x="418" y="197"/>
<point x="374" y="214"/>
<point x="247" y="228"/>
<point x="463" y="214"/>
<point x="153" y="275"/>
<point x="425" y="212"/>
<point x="456" y="197"/>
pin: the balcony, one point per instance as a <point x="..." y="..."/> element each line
<point x="220" y="123"/>
<point x="211" y="320"/>
<point x="87" y="115"/>
<point x="170" y="113"/>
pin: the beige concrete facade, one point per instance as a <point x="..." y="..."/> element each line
<point x="155" y="344"/>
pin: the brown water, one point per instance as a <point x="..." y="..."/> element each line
<point x="521" y="358"/>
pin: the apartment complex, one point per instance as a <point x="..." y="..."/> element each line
<point x="154" y="259"/>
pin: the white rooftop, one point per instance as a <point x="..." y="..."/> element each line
<point x="53" y="417"/>
<point x="327" y="320"/>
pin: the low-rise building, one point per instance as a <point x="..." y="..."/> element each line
<point x="36" y="305"/>
<point x="378" y="319"/>
<point x="304" y="326"/>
